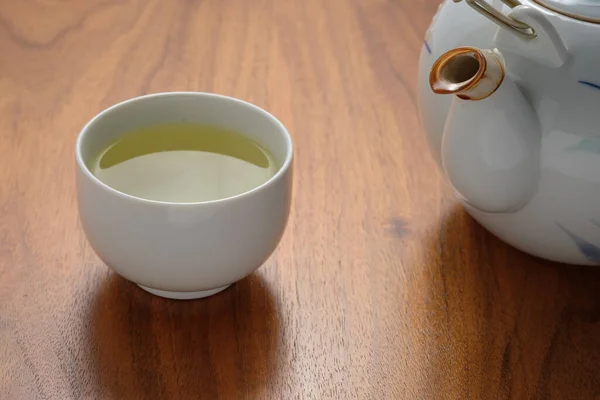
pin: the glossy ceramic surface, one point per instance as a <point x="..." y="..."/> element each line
<point x="557" y="76"/>
<point x="588" y="10"/>
<point x="187" y="250"/>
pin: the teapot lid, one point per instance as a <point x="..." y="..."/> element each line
<point x="585" y="10"/>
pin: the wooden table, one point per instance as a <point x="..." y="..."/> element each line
<point x="382" y="286"/>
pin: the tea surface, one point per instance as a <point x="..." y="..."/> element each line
<point x="183" y="163"/>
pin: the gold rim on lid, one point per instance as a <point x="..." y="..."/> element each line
<point x="583" y="10"/>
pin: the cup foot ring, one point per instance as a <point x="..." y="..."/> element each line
<point x="184" y="295"/>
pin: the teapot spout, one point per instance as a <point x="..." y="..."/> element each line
<point x="468" y="72"/>
<point x="491" y="139"/>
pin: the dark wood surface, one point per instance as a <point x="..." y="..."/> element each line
<point x="382" y="288"/>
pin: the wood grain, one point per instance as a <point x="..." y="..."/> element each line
<point x="382" y="287"/>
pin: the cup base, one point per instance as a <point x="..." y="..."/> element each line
<point x="184" y="295"/>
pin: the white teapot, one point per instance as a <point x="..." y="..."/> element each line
<point x="509" y="95"/>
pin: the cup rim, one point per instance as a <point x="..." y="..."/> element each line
<point x="271" y="181"/>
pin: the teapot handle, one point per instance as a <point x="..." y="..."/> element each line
<point x="547" y="48"/>
<point x="524" y="31"/>
<point x="519" y="28"/>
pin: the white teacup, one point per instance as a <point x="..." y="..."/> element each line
<point x="184" y="250"/>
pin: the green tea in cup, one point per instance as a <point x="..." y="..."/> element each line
<point x="183" y="163"/>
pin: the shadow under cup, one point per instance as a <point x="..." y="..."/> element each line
<point x="184" y="250"/>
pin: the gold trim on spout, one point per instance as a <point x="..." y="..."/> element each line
<point x="467" y="72"/>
